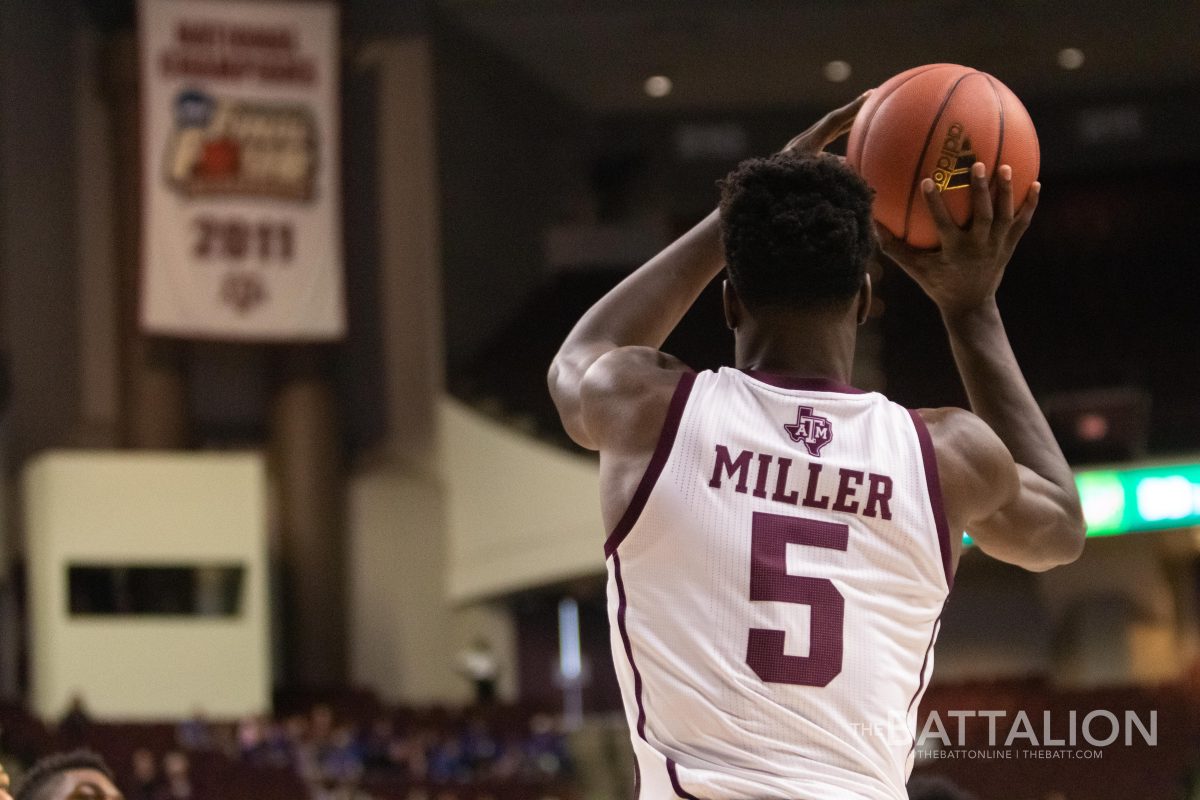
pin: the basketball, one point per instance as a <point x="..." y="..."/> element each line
<point x="935" y="121"/>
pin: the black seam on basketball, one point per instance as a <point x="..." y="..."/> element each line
<point x="912" y="188"/>
<point x="995" y="187"/>
<point x="862" y="147"/>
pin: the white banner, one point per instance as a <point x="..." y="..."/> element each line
<point x="241" y="185"/>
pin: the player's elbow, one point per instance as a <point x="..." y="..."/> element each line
<point x="552" y="382"/>
<point x="1073" y="529"/>
<point x="565" y="392"/>
<point x="1062" y="542"/>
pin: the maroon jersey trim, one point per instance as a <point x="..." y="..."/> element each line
<point x="675" y="782"/>
<point x="935" y="494"/>
<point x="802" y="384"/>
<point x="622" y="606"/>
<point x="921" y="682"/>
<point x="662" y="451"/>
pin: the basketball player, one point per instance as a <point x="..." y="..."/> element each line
<point x="781" y="543"/>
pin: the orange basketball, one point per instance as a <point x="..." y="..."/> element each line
<point x="934" y="122"/>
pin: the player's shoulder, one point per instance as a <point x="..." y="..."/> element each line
<point x="962" y="440"/>
<point x="625" y="371"/>
<point x="626" y="395"/>
<point x="972" y="460"/>
<point x="954" y="426"/>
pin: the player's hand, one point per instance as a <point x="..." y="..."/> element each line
<point x="828" y="129"/>
<point x="964" y="273"/>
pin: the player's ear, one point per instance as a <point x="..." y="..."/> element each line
<point x="864" y="299"/>
<point x="733" y="305"/>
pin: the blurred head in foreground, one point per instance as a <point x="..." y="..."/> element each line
<point x="80" y="775"/>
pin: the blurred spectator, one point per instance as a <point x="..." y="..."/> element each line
<point x="321" y="725"/>
<point x="510" y="759"/>
<point x="340" y="761"/>
<point x="334" y="758"/>
<point x="446" y="762"/>
<point x="408" y="758"/>
<point x="479" y="746"/>
<point x="251" y="739"/>
<point x="377" y="748"/>
<point x="4" y="795"/>
<point x="74" y="723"/>
<point x="195" y="733"/>
<point x="278" y="748"/>
<point x="547" y="748"/>
<point x="68" y="775"/>
<point x="177" y="778"/>
<point x="146" y="782"/>
<point x="478" y="663"/>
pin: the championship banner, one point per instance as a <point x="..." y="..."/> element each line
<point x="241" y="185"/>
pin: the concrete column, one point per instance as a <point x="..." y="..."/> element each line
<point x="99" y="342"/>
<point x="406" y="633"/>
<point x="410" y="266"/>
<point x="153" y="385"/>
<point x="38" y="256"/>
<point x="306" y="463"/>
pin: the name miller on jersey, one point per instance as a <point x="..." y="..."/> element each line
<point x="819" y="488"/>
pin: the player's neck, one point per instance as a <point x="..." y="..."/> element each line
<point x="803" y="348"/>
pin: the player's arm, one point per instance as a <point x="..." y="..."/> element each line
<point x="612" y="352"/>
<point x="1016" y="494"/>
<point x="1012" y="513"/>
<point x="609" y="377"/>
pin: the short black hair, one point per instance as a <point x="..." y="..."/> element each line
<point x="797" y="231"/>
<point x="42" y="776"/>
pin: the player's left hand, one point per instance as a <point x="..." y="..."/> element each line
<point x="964" y="273"/>
<point x="828" y="129"/>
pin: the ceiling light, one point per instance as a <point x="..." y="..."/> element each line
<point x="1070" y="58"/>
<point x="657" y="86"/>
<point x="836" y="71"/>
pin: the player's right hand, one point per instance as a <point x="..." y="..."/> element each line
<point x="964" y="273"/>
<point x="828" y="129"/>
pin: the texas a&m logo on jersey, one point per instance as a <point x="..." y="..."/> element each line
<point x="811" y="430"/>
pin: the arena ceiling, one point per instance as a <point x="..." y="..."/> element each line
<point x="740" y="54"/>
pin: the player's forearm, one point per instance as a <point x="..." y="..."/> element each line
<point x="1001" y="398"/>
<point x="1040" y="532"/>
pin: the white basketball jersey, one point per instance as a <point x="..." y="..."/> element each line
<point x="774" y="592"/>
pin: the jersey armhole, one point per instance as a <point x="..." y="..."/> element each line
<point x="934" y="485"/>
<point x="662" y="450"/>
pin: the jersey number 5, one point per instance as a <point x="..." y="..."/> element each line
<point x="770" y="581"/>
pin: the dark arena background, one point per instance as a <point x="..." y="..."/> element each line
<point x="288" y="512"/>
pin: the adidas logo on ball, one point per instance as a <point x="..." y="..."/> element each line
<point x="953" y="168"/>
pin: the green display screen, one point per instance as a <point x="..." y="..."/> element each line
<point x="1117" y="501"/>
